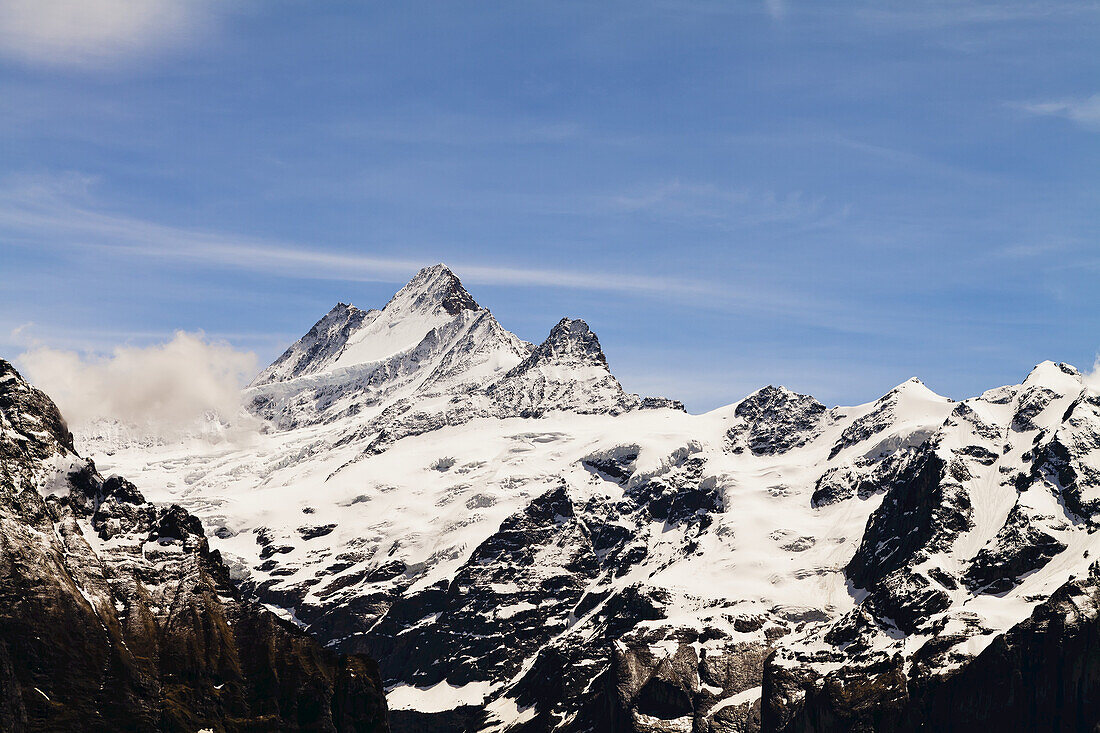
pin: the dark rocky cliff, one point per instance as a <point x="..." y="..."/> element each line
<point x="1041" y="675"/>
<point x="115" y="615"/>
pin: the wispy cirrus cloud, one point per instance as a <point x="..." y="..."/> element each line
<point x="941" y="14"/>
<point x="93" y="34"/>
<point x="437" y="128"/>
<point x="725" y="207"/>
<point x="61" y="213"/>
<point x="1084" y="111"/>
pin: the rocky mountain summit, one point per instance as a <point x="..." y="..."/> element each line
<point x="524" y="546"/>
<point x="432" y="357"/>
<point x="347" y="336"/>
<point x="567" y="371"/>
<point x="115" y="614"/>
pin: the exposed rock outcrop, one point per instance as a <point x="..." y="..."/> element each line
<point x="116" y="615"/>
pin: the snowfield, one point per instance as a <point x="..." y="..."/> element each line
<point x="478" y="512"/>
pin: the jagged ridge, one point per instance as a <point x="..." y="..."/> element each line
<point x="539" y="565"/>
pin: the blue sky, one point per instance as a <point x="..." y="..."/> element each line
<point x="831" y="196"/>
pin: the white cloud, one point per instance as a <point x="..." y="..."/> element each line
<point x="441" y="128"/>
<point x="942" y="14"/>
<point x="1085" y="111"/>
<point x="777" y="9"/>
<point x="161" y="389"/>
<point x="97" y="33"/>
<point x="728" y="208"/>
<point x="1092" y="379"/>
<point x="17" y="332"/>
<point x="58" y="210"/>
<point x="59" y="213"/>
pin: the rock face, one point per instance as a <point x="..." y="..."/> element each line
<point x="1041" y="675"/>
<point x="524" y="546"/>
<point x="774" y="420"/>
<point x="968" y="528"/>
<point x="568" y="371"/>
<point x="116" y="615"/>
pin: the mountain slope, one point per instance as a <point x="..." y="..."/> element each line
<point x="320" y="348"/>
<point x="524" y="546"/>
<point x="347" y="336"/>
<point x="995" y="516"/>
<point x="116" y="615"/>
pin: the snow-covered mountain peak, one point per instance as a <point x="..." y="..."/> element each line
<point x="319" y="348"/>
<point x="433" y="299"/>
<point x="567" y="371"/>
<point x="433" y="357"/>
<point x="431" y="290"/>
<point x="1061" y="378"/>
<point x="910" y="399"/>
<point x="347" y="336"/>
<point x="770" y="394"/>
<point x="914" y="389"/>
<point x="571" y="341"/>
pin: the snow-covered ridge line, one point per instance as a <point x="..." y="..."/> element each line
<point x="486" y="515"/>
<point x="347" y="335"/>
<point x="431" y="357"/>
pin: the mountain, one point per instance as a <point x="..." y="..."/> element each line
<point x="524" y="546"/>
<point x="347" y="336"/>
<point x="986" y="528"/>
<point x="431" y="357"/>
<point x="115" y="614"/>
<point x="568" y="371"/>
